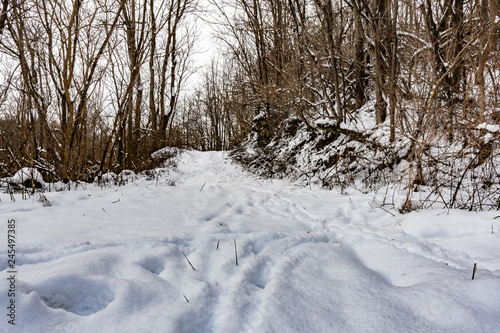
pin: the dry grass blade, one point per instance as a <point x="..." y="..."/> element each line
<point x="188" y="261"/>
<point x="235" y="252"/>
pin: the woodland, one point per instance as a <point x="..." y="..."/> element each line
<point x="365" y="93"/>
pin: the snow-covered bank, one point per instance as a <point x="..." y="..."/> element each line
<point x="115" y="259"/>
<point x="430" y="172"/>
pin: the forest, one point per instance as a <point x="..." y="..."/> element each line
<point x="370" y="93"/>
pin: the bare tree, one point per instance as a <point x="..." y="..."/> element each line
<point x="3" y="15"/>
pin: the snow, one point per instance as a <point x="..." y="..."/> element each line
<point x="489" y="128"/>
<point x="111" y="259"/>
<point x="261" y="116"/>
<point x="25" y="174"/>
<point x="325" y="122"/>
<point x="164" y="153"/>
<point x="108" y="178"/>
<point x="127" y="175"/>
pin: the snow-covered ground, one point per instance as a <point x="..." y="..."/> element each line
<point x="115" y="259"/>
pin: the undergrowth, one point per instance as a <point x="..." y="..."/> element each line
<point x="412" y="175"/>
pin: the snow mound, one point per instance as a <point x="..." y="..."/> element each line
<point x="126" y="176"/>
<point x="165" y="153"/>
<point x="28" y="176"/>
<point x="82" y="297"/>
<point x="109" y="178"/>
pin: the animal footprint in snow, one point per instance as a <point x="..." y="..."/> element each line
<point x="205" y="197"/>
<point x="82" y="297"/>
<point x="262" y="273"/>
<point x="153" y="264"/>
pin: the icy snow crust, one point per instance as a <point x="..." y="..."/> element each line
<point x="111" y="259"/>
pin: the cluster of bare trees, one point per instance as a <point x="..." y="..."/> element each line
<point x="216" y="116"/>
<point x="89" y="84"/>
<point x="330" y="57"/>
<point x="426" y="70"/>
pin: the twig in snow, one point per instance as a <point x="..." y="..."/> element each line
<point x="474" y="271"/>
<point x="235" y="252"/>
<point x="201" y="189"/>
<point x="188" y="261"/>
<point x="387" y="211"/>
<point x="186" y="298"/>
<point x="382" y="209"/>
<point x="218" y="244"/>
<point x="393" y="223"/>
<point x="117" y="200"/>
<point x="103" y="210"/>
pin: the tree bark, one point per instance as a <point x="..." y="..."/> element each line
<point x="381" y="24"/>
<point x="360" y="63"/>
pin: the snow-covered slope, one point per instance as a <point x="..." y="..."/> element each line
<point x="115" y="259"/>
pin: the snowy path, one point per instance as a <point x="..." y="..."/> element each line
<point x="309" y="260"/>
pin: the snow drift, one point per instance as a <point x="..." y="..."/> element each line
<point x="151" y="257"/>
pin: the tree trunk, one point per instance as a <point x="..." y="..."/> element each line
<point x="327" y="9"/>
<point x="381" y="23"/>
<point x="393" y="71"/>
<point x="152" y="104"/>
<point x="360" y="63"/>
